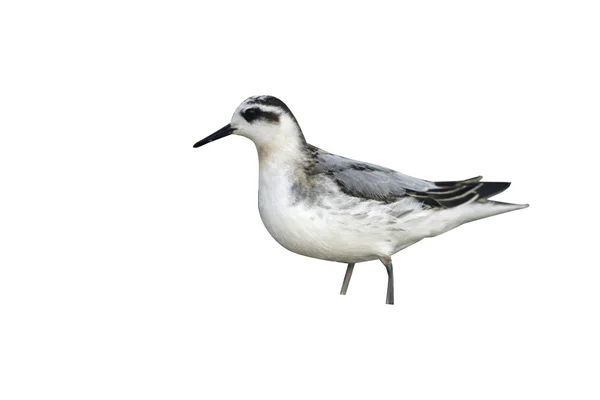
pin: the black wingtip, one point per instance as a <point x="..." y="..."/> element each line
<point x="444" y="184"/>
<point x="453" y="194"/>
<point x="490" y="189"/>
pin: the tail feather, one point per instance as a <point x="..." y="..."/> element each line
<point x="487" y="208"/>
<point x="450" y="218"/>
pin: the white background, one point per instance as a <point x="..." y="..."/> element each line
<point x="136" y="267"/>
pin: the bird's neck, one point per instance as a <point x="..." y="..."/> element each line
<point x="286" y="151"/>
<point x="283" y="164"/>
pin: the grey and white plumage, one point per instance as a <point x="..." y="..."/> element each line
<point x="333" y="208"/>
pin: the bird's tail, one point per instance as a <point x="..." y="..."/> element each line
<point x="487" y="208"/>
<point x="450" y="218"/>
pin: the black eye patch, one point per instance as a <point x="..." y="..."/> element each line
<point x="255" y="113"/>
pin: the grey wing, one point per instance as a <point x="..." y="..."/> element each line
<point x="370" y="181"/>
<point x="367" y="180"/>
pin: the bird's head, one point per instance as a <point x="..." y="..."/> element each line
<point x="265" y="120"/>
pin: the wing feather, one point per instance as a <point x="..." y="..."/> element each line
<point x="373" y="182"/>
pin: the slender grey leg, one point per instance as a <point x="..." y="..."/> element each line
<point x="347" y="278"/>
<point x="387" y="261"/>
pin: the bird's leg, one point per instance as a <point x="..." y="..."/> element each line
<point x="347" y="278"/>
<point x="387" y="261"/>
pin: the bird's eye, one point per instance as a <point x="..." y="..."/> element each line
<point x="255" y="113"/>
<point x="251" y="114"/>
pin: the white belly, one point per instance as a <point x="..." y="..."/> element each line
<point x="315" y="233"/>
<point x="319" y="229"/>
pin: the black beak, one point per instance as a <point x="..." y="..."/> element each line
<point x="221" y="133"/>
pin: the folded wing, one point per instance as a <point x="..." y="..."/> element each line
<point x="370" y="181"/>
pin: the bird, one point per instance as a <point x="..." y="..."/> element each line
<point x="321" y="205"/>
